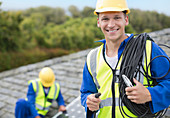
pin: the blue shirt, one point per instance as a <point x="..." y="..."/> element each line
<point x="160" y="93"/>
<point x="31" y="98"/>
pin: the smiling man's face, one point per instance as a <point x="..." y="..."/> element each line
<point x="113" y="25"/>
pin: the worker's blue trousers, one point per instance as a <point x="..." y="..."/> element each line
<point x="24" y="109"/>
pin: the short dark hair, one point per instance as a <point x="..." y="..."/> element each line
<point x="124" y="12"/>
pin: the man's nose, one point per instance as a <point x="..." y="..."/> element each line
<point x="111" y="24"/>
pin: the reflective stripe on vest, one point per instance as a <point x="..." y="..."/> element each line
<point x="41" y="108"/>
<point x="108" y="102"/>
<point x="102" y="76"/>
<point x="93" y="67"/>
<point x="42" y="104"/>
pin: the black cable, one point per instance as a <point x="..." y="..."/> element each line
<point x="164" y="45"/>
<point x="131" y="66"/>
<point x="165" y="73"/>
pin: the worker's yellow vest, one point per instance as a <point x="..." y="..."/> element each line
<point x="43" y="103"/>
<point x="102" y="76"/>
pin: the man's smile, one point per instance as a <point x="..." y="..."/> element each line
<point x="111" y="30"/>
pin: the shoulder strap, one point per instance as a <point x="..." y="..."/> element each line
<point x="35" y="85"/>
<point x="92" y="63"/>
<point x="57" y="89"/>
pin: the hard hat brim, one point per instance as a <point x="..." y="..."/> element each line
<point x="110" y="9"/>
<point x="47" y="84"/>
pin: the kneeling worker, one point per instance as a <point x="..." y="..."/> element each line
<point x="40" y="95"/>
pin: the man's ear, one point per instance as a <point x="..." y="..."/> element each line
<point x="126" y="20"/>
<point x="98" y="23"/>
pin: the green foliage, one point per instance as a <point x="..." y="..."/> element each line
<point x="143" y="21"/>
<point x="74" y="11"/>
<point x="10" y="60"/>
<point x="31" y="30"/>
<point x="87" y="12"/>
<point x="24" y="33"/>
<point x="54" y="15"/>
<point x="129" y="29"/>
<point x="9" y="31"/>
<point x="74" y="34"/>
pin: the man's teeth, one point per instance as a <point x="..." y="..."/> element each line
<point x="112" y="30"/>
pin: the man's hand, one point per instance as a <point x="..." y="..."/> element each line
<point x="62" y="108"/>
<point x="93" y="103"/>
<point x="138" y="94"/>
<point x="37" y="117"/>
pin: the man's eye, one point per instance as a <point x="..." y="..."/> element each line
<point x="116" y="18"/>
<point x="105" y="19"/>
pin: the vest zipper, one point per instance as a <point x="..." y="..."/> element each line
<point x="113" y="86"/>
<point x="113" y="95"/>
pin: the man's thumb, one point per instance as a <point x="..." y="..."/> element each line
<point x="135" y="81"/>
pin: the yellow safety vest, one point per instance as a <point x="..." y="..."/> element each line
<point x="43" y="103"/>
<point x="103" y="76"/>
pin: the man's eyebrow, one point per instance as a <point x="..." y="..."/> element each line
<point x="104" y="16"/>
<point x="117" y="15"/>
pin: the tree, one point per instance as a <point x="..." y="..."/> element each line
<point x="9" y="31"/>
<point x="59" y="15"/>
<point x="87" y="12"/>
<point x="31" y="30"/>
<point x="142" y="21"/>
<point x="54" y="15"/>
<point x="0" y="5"/>
<point x="74" y="11"/>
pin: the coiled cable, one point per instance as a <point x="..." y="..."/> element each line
<point x="131" y="66"/>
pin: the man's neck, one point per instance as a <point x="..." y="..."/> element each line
<point x="112" y="47"/>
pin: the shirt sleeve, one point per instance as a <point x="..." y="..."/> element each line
<point x="31" y="99"/>
<point x="60" y="99"/>
<point x="87" y="87"/>
<point x="160" y="93"/>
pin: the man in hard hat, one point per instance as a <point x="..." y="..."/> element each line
<point x="103" y="62"/>
<point x="41" y="93"/>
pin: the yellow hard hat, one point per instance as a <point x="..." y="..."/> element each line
<point x="47" y="77"/>
<point x="111" y="5"/>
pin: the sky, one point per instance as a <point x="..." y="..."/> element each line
<point x="161" y="6"/>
